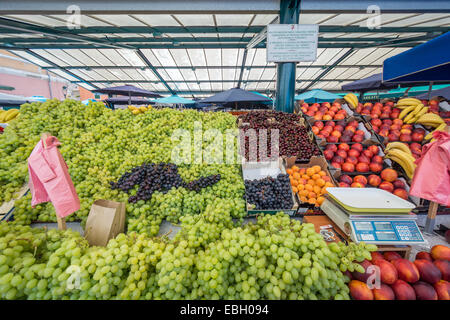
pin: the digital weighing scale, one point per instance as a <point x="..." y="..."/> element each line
<point x="390" y="224"/>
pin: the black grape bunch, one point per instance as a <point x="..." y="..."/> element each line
<point x="270" y="193"/>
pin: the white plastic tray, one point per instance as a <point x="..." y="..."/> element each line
<point x="369" y="200"/>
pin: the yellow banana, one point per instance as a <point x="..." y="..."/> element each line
<point x="413" y="113"/>
<point x="408" y="102"/>
<point x="404" y="164"/>
<point x="143" y="109"/>
<point x="349" y="101"/>
<point x="404" y="159"/>
<point x="398" y="145"/>
<point x="418" y="115"/>
<point x="441" y="127"/>
<point x="354" y="98"/>
<point x="406" y="111"/>
<point x="135" y="111"/>
<point x="11" y="114"/>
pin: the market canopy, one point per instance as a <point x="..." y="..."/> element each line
<point x="10" y="100"/>
<point x="317" y="94"/>
<point x="374" y="82"/>
<point x="444" y="92"/>
<point x="235" y="95"/>
<point x="126" y="100"/>
<point x="174" y="99"/>
<point x="128" y="90"/>
<point x="428" y="62"/>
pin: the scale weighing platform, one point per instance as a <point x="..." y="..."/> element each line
<point x="388" y="226"/>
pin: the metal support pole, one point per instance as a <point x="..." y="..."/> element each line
<point x="289" y="14"/>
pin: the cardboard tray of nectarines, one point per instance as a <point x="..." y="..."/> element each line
<point x="387" y="130"/>
<point x="309" y="181"/>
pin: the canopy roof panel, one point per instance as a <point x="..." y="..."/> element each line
<point x="196" y="55"/>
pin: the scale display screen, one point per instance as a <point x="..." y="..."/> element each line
<point x="383" y="226"/>
<point x="386" y="236"/>
<point x="363" y="226"/>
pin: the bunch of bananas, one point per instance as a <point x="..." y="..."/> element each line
<point x="400" y="153"/>
<point x="431" y="120"/>
<point x="352" y="100"/>
<point x="136" y="110"/>
<point x="6" y="116"/>
<point x="413" y="109"/>
<point x="441" y="127"/>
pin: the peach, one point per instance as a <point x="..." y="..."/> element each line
<point x="352" y="160"/>
<point x="377" y="159"/>
<point x="348" y="167"/>
<point x="359" y="290"/>
<point x="399" y="184"/>
<point x="362" y="167"/>
<point x="358" y="146"/>
<point x="328" y="154"/>
<point x="388" y="273"/>
<point x="405" y="138"/>
<point x="392" y="137"/>
<point x="376" y="122"/>
<point x="327" y="117"/>
<point x="375" y="167"/>
<point x="318" y="116"/>
<point x="339" y="116"/>
<point x="330" y="123"/>
<point x="387" y="121"/>
<point x="440" y="252"/>
<point x="344" y="146"/>
<point x="374" y="180"/>
<point x="342" y="153"/>
<point x="318" y="124"/>
<point x="419" y="130"/>
<point x="332" y="139"/>
<point x="338" y="159"/>
<point x="402" y="193"/>
<point x="353" y="153"/>
<point x="357" y="185"/>
<point x="391" y="255"/>
<point x="362" y="276"/>
<point x="346" y="178"/>
<point x="428" y="271"/>
<point x="339" y="128"/>
<point x="444" y="267"/>
<point x="442" y="288"/>
<point x="361" y="179"/>
<point x="328" y="128"/>
<point x="383" y="293"/>
<point x="417" y="137"/>
<point x="385" y="126"/>
<point x="389" y="175"/>
<point x="331" y="147"/>
<point x="375" y="128"/>
<point x="367" y="153"/>
<point x="385" y="185"/>
<point x="336" y="165"/>
<point x="357" y="138"/>
<point x="398" y="122"/>
<point x="350" y="129"/>
<point x="403" y="291"/>
<point x="345" y="138"/>
<point x="407" y="126"/>
<point x="425" y="291"/>
<point x="343" y="185"/>
<point x="353" y="123"/>
<point x="405" y="131"/>
<point x="362" y="158"/>
<point x="383" y="132"/>
<point x="374" y="149"/>
<point x="407" y="271"/>
<point x="376" y="256"/>
<point x="424" y="255"/>
<point x="415" y="148"/>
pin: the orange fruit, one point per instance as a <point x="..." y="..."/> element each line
<point x="294" y="183"/>
<point x="322" y="173"/>
<point x="320" y="200"/>
<point x="311" y="182"/>
<point x="302" y="181"/>
<point x="310" y="171"/>
<point x="289" y="172"/>
<point x="294" y="189"/>
<point x="312" y="195"/>
<point x="315" y="176"/>
<point x="302" y="171"/>
<point x="328" y="184"/>
<point x="316" y="169"/>
<point x="300" y="187"/>
<point x="303" y="199"/>
<point x="320" y="182"/>
<point x="308" y="187"/>
<point x="324" y="190"/>
<point x="312" y="201"/>
<point x="295" y="168"/>
<point x="296" y="176"/>
<point x="305" y="176"/>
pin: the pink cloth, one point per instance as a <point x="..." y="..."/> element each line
<point x="431" y="179"/>
<point x="50" y="180"/>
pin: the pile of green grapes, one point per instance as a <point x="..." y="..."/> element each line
<point x="210" y="258"/>
<point x="99" y="145"/>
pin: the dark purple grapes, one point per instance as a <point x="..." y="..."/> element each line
<point x="270" y="193"/>
<point x="161" y="177"/>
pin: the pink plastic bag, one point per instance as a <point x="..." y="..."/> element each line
<point x="49" y="179"/>
<point x="431" y="179"/>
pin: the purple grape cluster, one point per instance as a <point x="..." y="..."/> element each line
<point x="161" y="177"/>
<point x="270" y="193"/>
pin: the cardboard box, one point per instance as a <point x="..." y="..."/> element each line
<point x="105" y="221"/>
<point x="260" y="170"/>
<point x="315" y="161"/>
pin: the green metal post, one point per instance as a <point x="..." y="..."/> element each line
<point x="289" y="14"/>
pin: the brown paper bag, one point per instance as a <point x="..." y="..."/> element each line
<point x="105" y="221"/>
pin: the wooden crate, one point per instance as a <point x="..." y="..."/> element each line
<point x="404" y="251"/>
